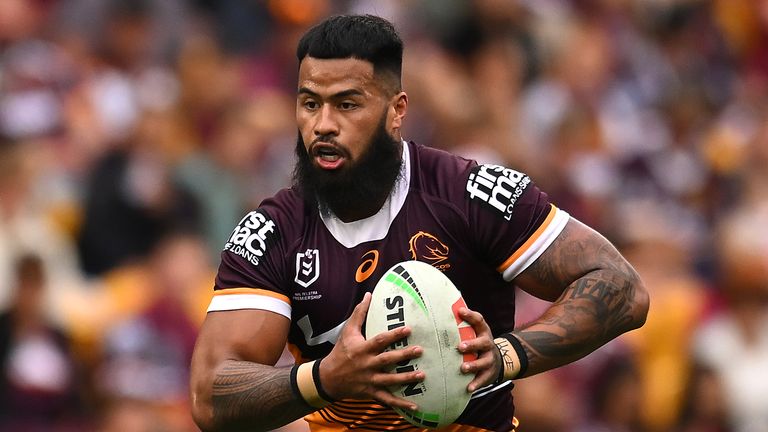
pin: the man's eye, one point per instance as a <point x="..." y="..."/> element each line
<point x="310" y="105"/>
<point x="348" y="105"/>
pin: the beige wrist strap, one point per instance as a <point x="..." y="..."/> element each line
<point x="306" y="384"/>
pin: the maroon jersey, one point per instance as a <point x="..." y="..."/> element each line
<point x="480" y="224"/>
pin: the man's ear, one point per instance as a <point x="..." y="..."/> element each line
<point x="398" y="109"/>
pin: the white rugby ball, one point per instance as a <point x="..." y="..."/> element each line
<point x="420" y="296"/>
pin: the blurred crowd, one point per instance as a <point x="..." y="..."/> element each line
<point x="135" y="133"/>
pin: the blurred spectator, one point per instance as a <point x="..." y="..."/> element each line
<point x="252" y="137"/>
<point x="131" y="202"/>
<point x="662" y="253"/>
<point x="147" y="356"/>
<point x="129" y="415"/>
<point x="122" y="49"/>
<point x="734" y="342"/>
<point x="39" y="379"/>
<point x="705" y="407"/>
<point x="35" y="75"/>
<point x="541" y="404"/>
<point x="27" y="227"/>
<point x="122" y="121"/>
<point x="745" y="25"/>
<point x="615" y="400"/>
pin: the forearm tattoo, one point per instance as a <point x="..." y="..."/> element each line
<point x="591" y="311"/>
<point x="251" y="396"/>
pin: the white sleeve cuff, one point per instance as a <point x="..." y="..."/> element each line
<point x="226" y="302"/>
<point x="532" y="249"/>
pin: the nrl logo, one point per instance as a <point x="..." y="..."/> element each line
<point x="307" y="267"/>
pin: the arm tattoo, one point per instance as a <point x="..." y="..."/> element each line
<point x="251" y="396"/>
<point x="597" y="306"/>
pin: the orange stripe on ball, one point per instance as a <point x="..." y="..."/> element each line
<point x="467" y="333"/>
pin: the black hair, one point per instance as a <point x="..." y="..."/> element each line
<point x="364" y="37"/>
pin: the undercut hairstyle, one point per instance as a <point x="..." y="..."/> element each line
<point x="363" y="37"/>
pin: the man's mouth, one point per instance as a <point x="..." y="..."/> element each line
<point x="327" y="156"/>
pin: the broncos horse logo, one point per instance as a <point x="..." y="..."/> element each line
<point x="426" y="247"/>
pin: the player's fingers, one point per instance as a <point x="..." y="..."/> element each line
<point x="483" y="362"/>
<point x="383" y="340"/>
<point x="394" y="357"/>
<point x="357" y="318"/>
<point x="384" y="379"/>
<point x="387" y="398"/>
<point x="476" y="345"/>
<point x="476" y="320"/>
<point x="485" y="369"/>
<point x="481" y="380"/>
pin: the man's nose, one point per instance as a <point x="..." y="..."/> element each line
<point x="326" y="123"/>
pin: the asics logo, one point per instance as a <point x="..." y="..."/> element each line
<point x="368" y="266"/>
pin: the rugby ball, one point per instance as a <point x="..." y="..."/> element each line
<point x="419" y="296"/>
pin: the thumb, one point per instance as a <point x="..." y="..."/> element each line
<point x="357" y="319"/>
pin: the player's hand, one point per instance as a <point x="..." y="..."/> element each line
<point x="355" y="366"/>
<point x="486" y="365"/>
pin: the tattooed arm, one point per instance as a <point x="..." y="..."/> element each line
<point x="234" y="387"/>
<point x="233" y="384"/>
<point x="597" y="296"/>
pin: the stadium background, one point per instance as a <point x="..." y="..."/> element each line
<point x="134" y="134"/>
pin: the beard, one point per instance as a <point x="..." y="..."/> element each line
<point x="365" y="182"/>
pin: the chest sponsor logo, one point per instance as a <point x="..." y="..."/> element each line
<point x="307" y="267"/>
<point x="252" y="236"/>
<point x="497" y="186"/>
<point x="368" y="266"/>
<point x="427" y="248"/>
